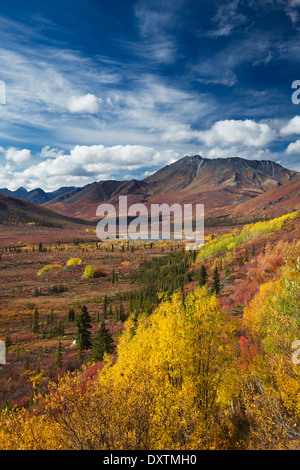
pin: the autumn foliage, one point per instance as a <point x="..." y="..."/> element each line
<point x="191" y="374"/>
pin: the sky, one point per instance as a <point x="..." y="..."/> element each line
<point x="92" y="90"/>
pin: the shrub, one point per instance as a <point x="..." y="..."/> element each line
<point x="49" y="267"/>
<point x="99" y="272"/>
<point x="37" y="292"/>
<point x="74" y="261"/>
<point x="89" y="271"/>
<point x="57" y="289"/>
<point x="228" y="242"/>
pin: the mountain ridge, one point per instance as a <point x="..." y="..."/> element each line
<point x="217" y="183"/>
<point x="192" y="179"/>
<point x="37" y="195"/>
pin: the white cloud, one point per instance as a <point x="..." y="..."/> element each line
<point x="230" y="132"/>
<point x="88" y="103"/>
<point x="18" y="156"/>
<point x="291" y="10"/>
<point x="293" y="147"/>
<point x="46" y="92"/>
<point x="156" y="20"/>
<point x="228" y="19"/>
<point x="86" y="164"/>
<point x="292" y="127"/>
<point x="48" y="152"/>
<point x="178" y="133"/>
<point x="239" y="151"/>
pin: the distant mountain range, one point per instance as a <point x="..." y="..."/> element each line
<point x="38" y="195"/>
<point x="228" y="187"/>
<point x="216" y="183"/>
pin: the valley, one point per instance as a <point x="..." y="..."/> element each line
<point x="54" y="270"/>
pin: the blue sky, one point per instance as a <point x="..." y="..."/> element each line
<point x="95" y="90"/>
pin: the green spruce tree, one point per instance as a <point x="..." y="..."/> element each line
<point x="215" y="287"/>
<point x="202" y="275"/>
<point x="83" y="338"/>
<point x="35" y="321"/>
<point x="71" y="315"/>
<point x="105" y="307"/>
<point x="58" y="356"/>
<point x="102" y="343"/>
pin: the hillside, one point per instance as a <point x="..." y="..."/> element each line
<point x="16" y="211"/>
<point x="274" y="203"/>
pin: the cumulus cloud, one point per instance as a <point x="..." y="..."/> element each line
<point x="292" y="127"/>
<point x="88" y="103"/>
<point x="230" y="132"/>
<point x="293" y="147"/>
<point x="17" y="156"/>
<point x="178" y="133"/>
<point x="86" y="164"/>
<point x="48" y="152"/>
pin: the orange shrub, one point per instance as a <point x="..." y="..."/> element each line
<point x="99" y="272"/>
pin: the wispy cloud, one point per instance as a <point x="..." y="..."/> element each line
<point x="158" y="23"/>
<point x="228" y="19"/>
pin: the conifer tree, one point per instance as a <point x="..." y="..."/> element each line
<point x="105" y="307"/>
<point x="83" y="339"/>
<point x="71" y="315"/>
<point x="215" y="287"/>
<point x="122" y="313"/>
<point x="26" y="365"/>
<point x="51" y="318"/>
<point x="202" y="275"/>
<point x="58" y="356"/>
<point x="60" y="328"/>
<point x="102" y="343"/>
<point x="35" y="321"/>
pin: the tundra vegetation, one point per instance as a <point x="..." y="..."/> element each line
<point x="162" y="349"/>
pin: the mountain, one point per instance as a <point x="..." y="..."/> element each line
<point x="190" y="175"/>
<point x="19" y="212"/>
<point x="274" y="203"/>
<point x="216" y="183"/>
<point x="20" y="193"/>
<point x="37" y="196"/>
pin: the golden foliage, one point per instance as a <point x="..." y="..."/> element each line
<point x="175" y="372"/>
